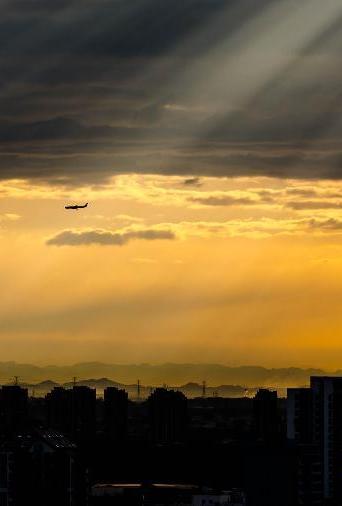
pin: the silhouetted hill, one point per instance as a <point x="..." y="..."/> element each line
<point x="196" y="390"/>
<point x="95" y="383"/>
<point x="170" y="373"/>
<point x="190" y="389"/>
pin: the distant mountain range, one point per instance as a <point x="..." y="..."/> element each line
<point x="169" y="373"/>
<point x="189" y="389"/>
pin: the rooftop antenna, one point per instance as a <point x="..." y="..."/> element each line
<point x="74" y="381"/>
<point x="16" y="380"/>
<point x="204" y="388"/>
<point x="138" y="389"/>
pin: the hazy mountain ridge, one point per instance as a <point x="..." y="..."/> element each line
<point x="168" y="373"/>
<point x="190" y="389"/>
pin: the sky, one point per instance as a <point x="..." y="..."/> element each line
<point x="205" y="135"/>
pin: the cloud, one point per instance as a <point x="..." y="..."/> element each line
<point x="191" y="88"/>
<point x="303" y="192"/>
<point x="255" y="229"/>
<point x="223" y="200"/>
<point x="129" y="218"/>
<point x="331" y="224"/>
<point x="107" y="238"/>
<point x="314" y="204"/>
<point x="9" y="217"/>
<point x="192" y="181"/>
<point x="12" y="216"/>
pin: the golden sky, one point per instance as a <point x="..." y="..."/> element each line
<point x="162" y="268"/>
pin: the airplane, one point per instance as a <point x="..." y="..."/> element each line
<point x="77" y="206"/>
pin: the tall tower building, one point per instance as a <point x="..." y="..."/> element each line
<point x="265" y="407"/>
<point x="314" y="418"/>
<point x="38" y="468"/>
<point x="58" y="403"/>
<point x="83" y="413"/>
<point x="14" y="408"/>
<point x="308" y="472"/>
<point x="299" y="415"/>
<point x="327" y="433"/>
<point x="73" y="412"/>
<point x="115" y="413"/>
<point x="168" y="416"/>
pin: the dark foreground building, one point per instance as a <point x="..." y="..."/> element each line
<point x="314" y="426"/>
<point x="13" y="408"/>
<point x="73" y="449"/>
<point x="157" y="494"/>
<point x="73" y="412"/>
<point x="168" y="416"/>
<point x="265" y="406"/>
<point x="115" y="403"/>
<point x="40" y="468"/>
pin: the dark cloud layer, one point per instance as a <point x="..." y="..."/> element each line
<point x="107" y="238"/>
<point x="90" y="89"/>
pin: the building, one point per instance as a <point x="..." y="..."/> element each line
<point x="265" y="407"/>
<point x="314" y="426"/>
<point x="168" y="416"/>
<point x="115" y="413"/>
<point x="219" y="498"/>
<point x="14" y="408"/>
<point x="308" y="483"/>
<point x="39" y="468"/>
<point x="73" y="412"/>
<point x="136" y="494"/>
<point x="58" y="404"/>
<point x="327" y="433"/>
<point x="299" y="415"/>
<point x="83" y="413"/>
<point x="308" y="476"/>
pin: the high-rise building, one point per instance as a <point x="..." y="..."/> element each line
<point x="14" y="408"/>
<point x="299" y="415"/>
<point x="314" y="425"/>
<point x="168" y="416"/>
<point x="38" y="468"/>
<point x="73" y="411"/>
<point x="308" y="471"/>
<point x="59" y="416"/>
<point x="265" y="406"/>
<point x="327" y="433"/>
<point x="83" y="413"/>
<point x="115" y="413"/>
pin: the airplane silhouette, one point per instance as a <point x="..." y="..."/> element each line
<point x="76" y="206"/>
